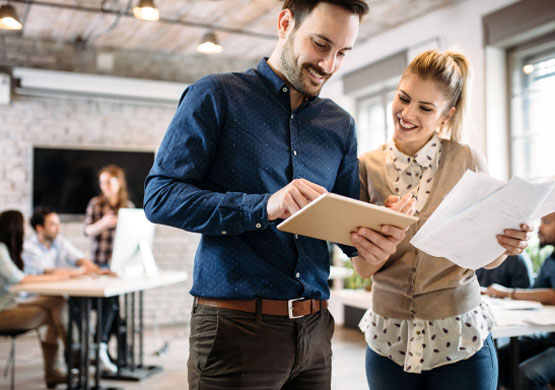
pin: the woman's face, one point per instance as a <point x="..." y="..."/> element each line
<point x="419" y="108"/>
<point x="109" y="185"/>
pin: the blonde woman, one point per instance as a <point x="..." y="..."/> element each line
<point x="427" y="328"/>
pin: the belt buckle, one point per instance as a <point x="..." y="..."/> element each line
<point x="290" y="307"/>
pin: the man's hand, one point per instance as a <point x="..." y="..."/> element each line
<point x="375" y="248"/>
<point x="515" y="241"/>
<point x="293" y="197"/>
<point x="498" y="291"/>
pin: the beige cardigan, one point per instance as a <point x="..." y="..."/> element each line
<point x="411" y="283"/>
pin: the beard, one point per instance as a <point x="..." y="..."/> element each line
<point x="295" y="72"/>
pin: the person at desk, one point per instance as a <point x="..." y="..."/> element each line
<point x="100" y="225"/>
<point x="31" y="312"/>
<point x="514" y="272"/>
<point x="243" y="151"/>
<point x="537" y="352"/>
<point x="48" y="250"/>
<point x="427" y="328"/>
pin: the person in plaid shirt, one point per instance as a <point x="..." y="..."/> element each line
<point x="100" y="226"/>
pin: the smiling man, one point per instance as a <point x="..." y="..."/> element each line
<point x="243" y="151"/>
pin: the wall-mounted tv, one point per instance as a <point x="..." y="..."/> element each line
<point x="66" y="179"/>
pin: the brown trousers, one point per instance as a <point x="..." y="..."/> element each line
<point x="236" y="350"/>
<point x="35" y="312"/>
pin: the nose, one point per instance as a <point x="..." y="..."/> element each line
<point x="408" y="111"/>
<point x="328" y="63"/>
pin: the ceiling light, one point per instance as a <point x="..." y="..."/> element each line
<point x="9" y="19"/>
<point x="209" y="44"/>
<point x="146" y="10"/>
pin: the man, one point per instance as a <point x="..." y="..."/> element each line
<point x="48" y="250"/>
<point x="536" y="353"/>
<point x="515" y="271"/>
<point x="244" y="151"/>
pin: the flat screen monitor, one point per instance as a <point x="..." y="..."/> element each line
<point x="132" y="253"/>
<point x="66" y="179"/>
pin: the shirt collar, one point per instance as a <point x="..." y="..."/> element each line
<point x="424" y="157"/>
<point x="277" y="85"/>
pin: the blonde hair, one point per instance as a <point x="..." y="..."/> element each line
<point x="451" y="70"/>
<point x="118" y="173"/>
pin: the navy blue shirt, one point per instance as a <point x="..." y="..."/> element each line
<point x="231" y="144"/>
<point x="546" y="277"/>
<point x="514" y="272"/>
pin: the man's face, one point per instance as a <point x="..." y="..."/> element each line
<point x="546" y="231"/>
<point x="51" y="228"/>
<point x="315" y="50"/>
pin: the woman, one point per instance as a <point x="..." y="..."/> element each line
<point x="33" y="312"/>
<point x="427" y="328"/>
<point x="100" y="224"/>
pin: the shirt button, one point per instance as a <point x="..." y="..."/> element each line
<point x="294" y="152"/>
<point x="296" y="236"/>
<point x="258" y="225"/>
<point x="418" y="333"/>
<point x="224" y="232"/>
<point x="298" y="275"/>
<point x="284" y="89"/>
<point x="292" y="116"/>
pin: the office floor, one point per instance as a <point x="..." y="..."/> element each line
<point x="348" y="361"/>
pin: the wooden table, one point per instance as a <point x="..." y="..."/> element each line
<point x="83" y="292"/>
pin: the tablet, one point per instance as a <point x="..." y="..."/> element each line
<point x="333" y="217"/>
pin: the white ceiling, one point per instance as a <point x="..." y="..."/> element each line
<point x="84" y="21"/>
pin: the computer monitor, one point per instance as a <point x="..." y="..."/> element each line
<point x="132" y="253"/>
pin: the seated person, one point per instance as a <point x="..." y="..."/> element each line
<point x="537" y="352"/>
<point x="48" y="250"/>
<point x="34" y="311"/>
<point x="514" y="272"/>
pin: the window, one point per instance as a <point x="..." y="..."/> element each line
<point x="374" y="123"/>
<point x="532" y="136"/>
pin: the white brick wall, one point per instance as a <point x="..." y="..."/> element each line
<point x="78" y="122"/>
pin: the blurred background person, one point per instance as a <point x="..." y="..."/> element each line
<point x="100" y="225"/>
<point x="35" y="311"/>
<point x="536" y="352"/>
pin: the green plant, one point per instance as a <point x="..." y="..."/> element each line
<point x="355" y="281"/>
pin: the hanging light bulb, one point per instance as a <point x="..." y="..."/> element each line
<point x="146" y="10"/>
<point x="209" y="44"/>
<point x="9" y="19"/>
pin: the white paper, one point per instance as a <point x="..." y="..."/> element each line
<point x="463" y="228"/>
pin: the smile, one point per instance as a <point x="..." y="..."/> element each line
<point x="317" y="77"/>
<point x="405" y="125"/>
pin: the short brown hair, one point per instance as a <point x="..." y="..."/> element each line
<point x="302" y="8"/>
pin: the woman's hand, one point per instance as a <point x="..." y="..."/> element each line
<point x="405" y="205"/>
<point x="515" y="241"/>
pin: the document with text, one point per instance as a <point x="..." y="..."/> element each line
<point x="463" y="228"/>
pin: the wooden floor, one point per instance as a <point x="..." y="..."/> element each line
<point x="348" y="361"/>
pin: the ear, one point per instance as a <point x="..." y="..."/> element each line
<point x="286" y="23"/>
<point x="449" y="115"/>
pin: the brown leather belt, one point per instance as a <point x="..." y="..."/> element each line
<point x="293" y="308"/>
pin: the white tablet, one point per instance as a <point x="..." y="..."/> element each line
<point x="333" y="217"/>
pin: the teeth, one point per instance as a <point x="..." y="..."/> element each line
<point x="406" y="125"/>
<point x="315" y="74"/>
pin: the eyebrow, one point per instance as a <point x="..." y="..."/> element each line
<point x="429" y="103"/>
<point x="324" y="38"/>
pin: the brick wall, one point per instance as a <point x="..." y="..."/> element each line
<point x="70" y="122"/>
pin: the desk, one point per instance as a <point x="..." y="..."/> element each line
<point x="514" y="325"/>
<point x="94" y="288"/>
